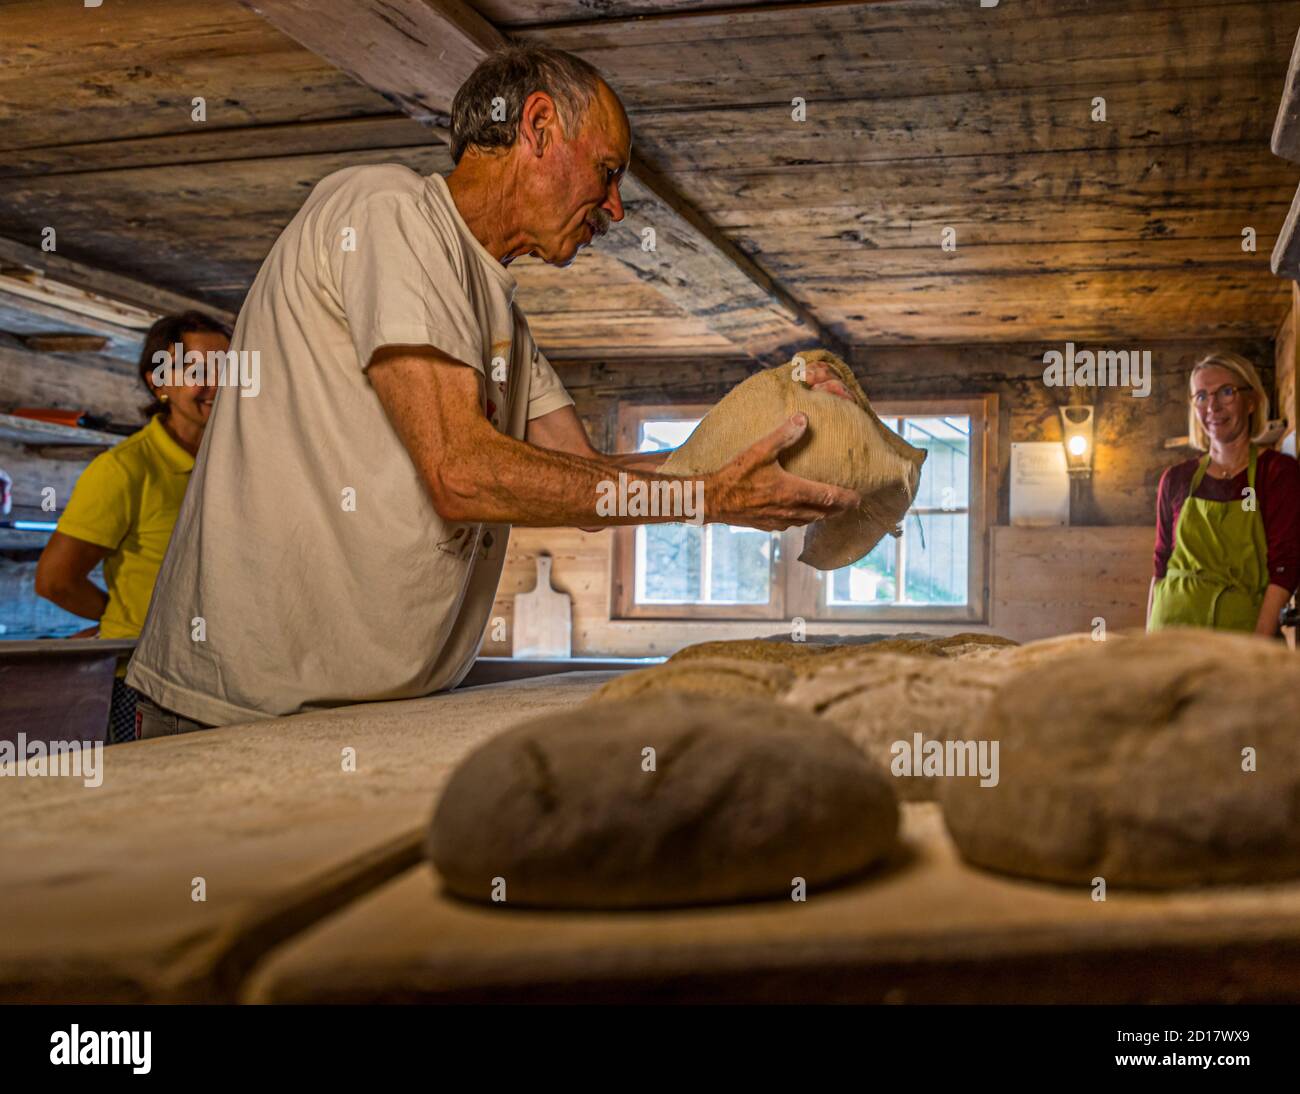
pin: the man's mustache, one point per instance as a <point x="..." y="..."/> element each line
<point x="600" y="220"/>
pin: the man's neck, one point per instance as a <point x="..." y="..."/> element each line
<point x="483" y="192"/>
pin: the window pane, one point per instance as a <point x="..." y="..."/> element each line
<point x="945" y="477"/>
<point x="936" y="572"/>
<point x="657" y="435"/>
<point x="740" y="565"/>
<point x="870" y="580"/>
<point x="668" y="563"/>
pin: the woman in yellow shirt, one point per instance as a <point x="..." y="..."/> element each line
<point x="125" y="503"/>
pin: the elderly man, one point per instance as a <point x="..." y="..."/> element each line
<point x="344" y="530"/>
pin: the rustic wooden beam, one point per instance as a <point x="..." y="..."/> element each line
<point x="416" y="53"/>
<point x="113" y="286"/>
<point x="1285" y="260"/>
<point x="1286" y="128"/>
<point x="26" y="317"/>
<point x="202" y="145"/>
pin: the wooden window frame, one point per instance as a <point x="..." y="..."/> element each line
<point x="623" y="569"/>
<point x="799" y="590"/>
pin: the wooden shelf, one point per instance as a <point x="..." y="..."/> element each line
<point x="29" y="431"/>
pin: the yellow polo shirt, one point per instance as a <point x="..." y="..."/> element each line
<point x="127" y="500"/>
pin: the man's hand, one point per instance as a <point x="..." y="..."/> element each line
<point x="755" y="491"/>
<point x="821" y="377"/>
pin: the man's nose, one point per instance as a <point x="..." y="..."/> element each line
<point x="614" y="204"/>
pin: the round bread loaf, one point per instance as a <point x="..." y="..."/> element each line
<point x="721" y="677"/>
<point x="736" y="801"/>
<point x="883" y="701"/>
<point x="1160" y="761"/>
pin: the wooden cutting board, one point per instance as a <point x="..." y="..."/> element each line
<point x="924" y="928"/>
<point x="543" y="618"/>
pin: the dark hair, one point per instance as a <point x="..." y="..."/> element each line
<point x="511" y="74"/>
<point x="164" y="334"/>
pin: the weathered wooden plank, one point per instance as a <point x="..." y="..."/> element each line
<point x="619" y="335"/>
<point x="415" y="53"/>
<point x="1050" y="581"/>
<point x="1285" y="259"/>
<point x="104" y="282"/>
<point x="1140" y="114"/>
<point x="1286" y="353"/>
<point x="203" y="232"/>
<point x="926" y="929"/>
<point x="767" y="55"/>
<point x="211" y="145"/>
<point x="131" y="68"/>
<point x="858" y="264"/>
<point x="283" y="838"/>
<point x="24" y="316"/>
<point x="43" y="380"/>
<point x="1199" y="178"/>
<point x="520" y="13"/>
<point x="388" y="47"/>
<point x="17" y="429"/>
<point x="877" y="323"/>
<point x="1285" y="141"/>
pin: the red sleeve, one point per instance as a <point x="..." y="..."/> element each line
<point x="1165" y="521"/>
<point x="1279" y="506"/>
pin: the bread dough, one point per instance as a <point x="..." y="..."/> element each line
<point x="753" y="649"/>
<point x="846" y="445"/>
<point x="972" y="646"/>
<point x="722" y="677"/>
<point x="746" y="796"/>
<point x="889" y="697"/>
<point x="1125" y="761"/>
<point x="1048" y="649"/>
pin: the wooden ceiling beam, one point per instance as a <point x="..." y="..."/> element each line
<point x="1286" y="127"/>
<point x="26" y="269"/>
<point x="417" y="53"/>
<point x="1285" y="259"/>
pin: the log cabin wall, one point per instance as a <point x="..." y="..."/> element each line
<point x="1041" y="581"/>
<point x="100" y="383"/>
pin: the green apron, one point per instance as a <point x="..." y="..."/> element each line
<point x="1218" y="570"/>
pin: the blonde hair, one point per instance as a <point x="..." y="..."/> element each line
<point x="1239" y="366"/>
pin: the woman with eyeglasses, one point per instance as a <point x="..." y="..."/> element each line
<point x="1228" y="522"/>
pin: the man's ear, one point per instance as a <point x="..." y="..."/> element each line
<point x="539" y="122"/>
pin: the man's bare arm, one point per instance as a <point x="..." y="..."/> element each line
<point x="475" y="474"/>
<point x="562" y="430"/>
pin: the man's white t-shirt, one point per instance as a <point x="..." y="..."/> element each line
<point x="308" y="567"/>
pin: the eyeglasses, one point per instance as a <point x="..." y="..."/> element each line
<point x="1226" y="394"/>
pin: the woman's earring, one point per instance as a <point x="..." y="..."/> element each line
<point x="163" y="397"/>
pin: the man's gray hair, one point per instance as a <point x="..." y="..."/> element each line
<point x="504" y="80"/>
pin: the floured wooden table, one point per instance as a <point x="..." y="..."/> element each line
<point x="316" y="890"/>
<point x="96" y="883"/>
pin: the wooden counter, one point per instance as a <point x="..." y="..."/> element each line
<point x="315" y="889"/>
<point x="927" y="930"/>
<point x="97" y="882"/>
<point x="58" y="688"/>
